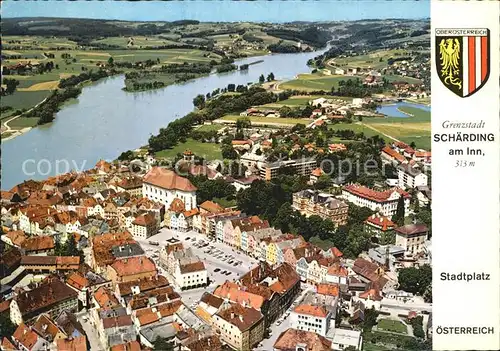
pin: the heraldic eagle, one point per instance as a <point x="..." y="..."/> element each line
<point x="449" y="50"/>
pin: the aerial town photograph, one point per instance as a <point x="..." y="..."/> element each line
<point x="231" y="175"/>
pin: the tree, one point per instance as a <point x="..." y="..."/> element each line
<point x="370" y="319"/>
<point x="243" y="123"/>
<point x="162" y="344"/>
<point x="270" y="77"/>
<point x="283" y="218"/>
<point x="111" y="61"/>
<point x="413" y="145"/>
<point x="71" y="247"/>
<point x="415" y="280"/>
<point x="199" y="101"/>
<point x="262" y="79"/>
<point x="399" y="216"/>
<point x="7" y="328"/>
<point x="11" y="85"/>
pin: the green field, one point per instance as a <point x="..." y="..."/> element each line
<point x="24" y="99"/>
<point x="313" y="82"/>
<point x="358" y="128"/>
<point x="415" y="129"/>
<point x="209" y="151"/>
<point x="209" y="127"/>
<point x="269" y="120"/>
<point x="375" y="60"/>
<point x="392" y="326"/>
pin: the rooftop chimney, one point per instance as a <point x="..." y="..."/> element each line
<point x="232" y="315"/>
<point x="241" y="317"/>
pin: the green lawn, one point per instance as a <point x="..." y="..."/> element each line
<point x="392" y="326"/>
<point x="209" y="127"/>
<point x="209" y="151"/>
<point x="23" y="122"/>
<point x="418" y="115"/>
<point x="358" y="128"/>
<point x="396" y="78"/>
<point x="224" y="202"/>
<point x="269" y="120"/>
<point x="313" y="82"/>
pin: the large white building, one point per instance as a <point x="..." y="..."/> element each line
<point x="411" y="177"/>
<point x="164" y="185"/>
<point x="385" y="202"/>
<point x="311" y="318"/>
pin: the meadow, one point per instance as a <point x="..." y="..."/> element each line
<point x="209" y="151"/>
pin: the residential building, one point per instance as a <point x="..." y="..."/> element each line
<point x="391" y="155"/>
<point x="384" y="202"/>
<point x="240" y="327"/>
<point x="188" y="270"/>
<point x="379" y="226"/>
<point x="26" y="339"/>
<point x="164" y="186"/>
<point x="48" y="329"/>
<point x="268" y="171"/>
<point x="50" y="264"/>
<point x="115" y="327"/>
<point x="410" y="177"/>
<point x="344" y="338"/>
<point x="132" y="268"/>
<point x="144" y="226"/>
<point x="369" y="272"/>
<point x="412" y="237"/>
<point x="314" y="318"/>
<point x="309" y="202"/>
<point x="132" y="185"/>
<point x="301" y="340"/>
<point x="208" y="306"/>
<point x="51" y="296"/>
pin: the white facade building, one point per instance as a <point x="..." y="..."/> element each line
<point x="411" y="177"/>
<point x="163" y="185"/>
<point x="311" y="318"/>
<point x="384" y="202"/>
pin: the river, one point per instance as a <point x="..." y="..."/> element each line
<point x="393" y="110"/>
<point x="107" y="120"/>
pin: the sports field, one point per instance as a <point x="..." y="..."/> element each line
<point x="209" y="151"/>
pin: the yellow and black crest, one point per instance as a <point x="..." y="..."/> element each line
<point x="463" y="59"/>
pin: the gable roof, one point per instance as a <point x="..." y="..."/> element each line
<point x="168" y="179"/>
<point x="133" y="265"/>
<point x="290" y="338"/>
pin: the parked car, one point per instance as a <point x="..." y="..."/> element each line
<point x="216" y="270"/>
<point x="188" y="238"/>
<point x="155" y="243"/>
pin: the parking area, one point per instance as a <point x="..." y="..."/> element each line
<point x="222" y="262"/>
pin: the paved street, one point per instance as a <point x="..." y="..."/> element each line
<point x="276" y="330"/>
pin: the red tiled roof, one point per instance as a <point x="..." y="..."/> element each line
<point x="7" y="345"/>
<point x="119" y="321"/>
<point x="211" y="206"/>
<point x="177" y="205"/>
<point x="168" y="179"/>
<point x="72" y="344"/>
<point x="130" y="346"/>
<point x="241" y="317"/>
<point x="145" y="220"/>
<point x="328" y="289"/>
<point x="374" y="195"/>
<point x="25" y="336"/>
<point x="133" y="265"/>
<point x="381" y="221"/>
<point x="105" y="299"/>
<point x="192" y="267"/>
<point x="311" y="310"/>
<point x="288" y="340"/>
<point x="393" y="153"/>
<point x="411" y="229"/>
